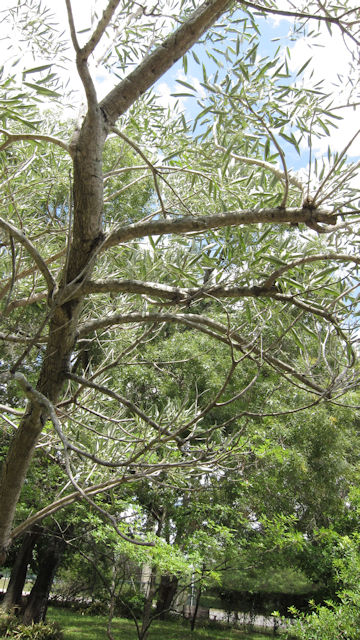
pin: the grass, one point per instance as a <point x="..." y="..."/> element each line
<point x="84" y="627"/>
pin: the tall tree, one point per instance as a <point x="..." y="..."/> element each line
<point x="228" y="222"/>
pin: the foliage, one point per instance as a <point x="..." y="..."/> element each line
<point x="167" y="283"/>
<point x="10" y="628"/>
<point x="338" y="618"/>
<point x="8" y="622"/>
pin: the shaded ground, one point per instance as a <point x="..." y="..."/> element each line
<point x="85" y="627"/>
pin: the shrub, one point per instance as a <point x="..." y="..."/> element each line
<point x="8" y="622"/>
<point x="334" y="622"/>
<point x="38" y="631"/>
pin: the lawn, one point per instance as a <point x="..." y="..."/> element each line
<point x="85" y="627"/>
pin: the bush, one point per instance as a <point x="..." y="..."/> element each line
<point x="334" y="622"/>
<point x="10" y="628"/>
<point x="337" y="620"/>
<point x="8" y="622"/>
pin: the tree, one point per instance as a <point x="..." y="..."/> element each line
<point x="247" y="257"/>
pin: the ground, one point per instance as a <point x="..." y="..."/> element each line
<point x="85" y="627"/>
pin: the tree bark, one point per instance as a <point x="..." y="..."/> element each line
<point x="167" y="591"/>
<point x="37" y="603"/>
<point x="14" y="591"/>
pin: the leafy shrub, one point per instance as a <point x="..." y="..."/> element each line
<point x="8" y="622"/>
<point x="39" y="631"/>
<point x="334" y="622"/>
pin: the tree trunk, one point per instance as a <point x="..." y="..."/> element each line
<point x="146" y="618"/>
<point x="193" y="619"/>
<point x="36" y="606"/>
<point x="14" y="591"/>
<point x="167" y="591"/>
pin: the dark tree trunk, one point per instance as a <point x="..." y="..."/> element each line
<point x="14" y="591"/>
<point x="36" y="606"/>
<point x="167" y="591"/>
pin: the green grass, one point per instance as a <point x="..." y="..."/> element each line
<point x="84" y="627"/>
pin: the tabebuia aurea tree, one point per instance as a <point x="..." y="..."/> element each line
<point x="134" y="227"/>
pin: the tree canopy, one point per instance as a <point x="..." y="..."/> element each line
<point x="164" y="274"/>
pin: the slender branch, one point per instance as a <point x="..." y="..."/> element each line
<point x="15" y="412"/>
<point x="13" y="274"/>
<point x="301" y="15"/>
<point x="278" y="147"/>
<point x="72" y="26"/>
<point x="30" y="271"/>
<point x="192" y="224"/>
<point x="116" y="396"/>
<point x="153" y="169"/>
<point x="160" y="167"/>
<point x="40" y="400"/>
<point x="100" y="28"/>
<point x="339" y="257"/>
<point x="264" y="165"/>
<point x="332" y="170"/>
<point x="8" y="337"/>
<point x="24" y="302"/>
<point x="15" y="137"/>
<point x="73" y="497"/>
<point x="21" y="237"/>
<point x="81" y="63"/>
<point x="201" y="323"/>
<point x="181" y="295"/>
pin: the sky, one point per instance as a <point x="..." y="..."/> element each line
<point x="330" y="58"/>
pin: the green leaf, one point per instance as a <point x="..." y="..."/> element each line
<point x="43" y="90"/>
<point x="303" y="67"/>
<point x="37" y="69"/>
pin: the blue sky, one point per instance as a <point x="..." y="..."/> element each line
<point x="330" y="57"/>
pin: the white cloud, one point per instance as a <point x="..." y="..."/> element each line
<point x="167" y="100"/>
<point x="331" y="65"/>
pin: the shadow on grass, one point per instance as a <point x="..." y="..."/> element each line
<point x="84" y="627"/>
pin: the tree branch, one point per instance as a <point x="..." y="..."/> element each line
<point x="24" y="302"/>
<point x="173" y="294"/>
<point x="100" y="29"/>
<point x="40" y="400"/>
<point x="21" y="237"/>
<point x="302" y="15"/>
<point x="72" y="26"/>
<point x="339" y="257"/>
<point x="189" y="224"/>
<point x="72" y="497"/>
<point x="30" y="271"/>
<point x="153" y="169"/>
<point x="15" y="137"/>
<point x="162" y="59"/>
<point x="116" y="396"/>
<point x="263" y="165"/>
<point x="201" y="323"/>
